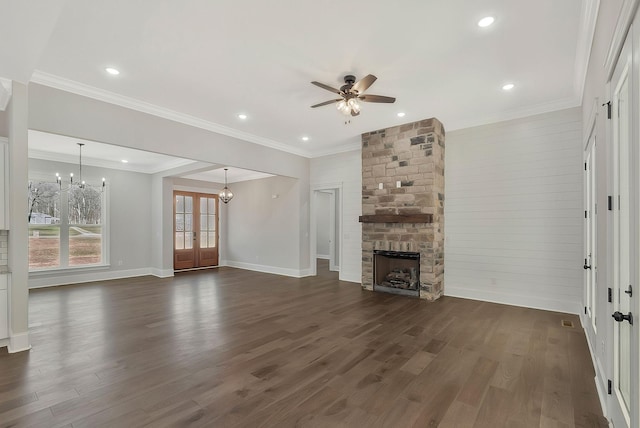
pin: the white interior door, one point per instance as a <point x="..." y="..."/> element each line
<point x="621" y="99"/>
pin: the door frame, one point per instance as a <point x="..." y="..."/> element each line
<point x="313" y="224"/>
<point x="196" y="227"/>
<point x="591" y="291"/>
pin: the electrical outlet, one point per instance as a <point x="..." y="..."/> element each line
<point x="380" y="187"/>
<point x="119" y="262"/>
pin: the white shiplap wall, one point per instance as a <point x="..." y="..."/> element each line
<point x="345" y="168"/>
<point x="514" y="213"/>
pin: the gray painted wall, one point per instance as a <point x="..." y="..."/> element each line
<point x="263" y="232"/>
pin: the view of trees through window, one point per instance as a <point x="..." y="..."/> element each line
<point x="65" y="227"/>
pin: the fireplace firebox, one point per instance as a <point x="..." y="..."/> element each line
<point x="396" y="272"/>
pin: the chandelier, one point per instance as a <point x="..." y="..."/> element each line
<point x="226" y="195"/>
<point x="79" y="182"/>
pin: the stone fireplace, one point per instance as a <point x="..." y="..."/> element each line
<point x="403" y="209"/>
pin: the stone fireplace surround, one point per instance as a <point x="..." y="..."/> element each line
<point x="403" y="199"/>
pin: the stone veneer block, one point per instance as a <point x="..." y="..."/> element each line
<point x="413" y="155"/>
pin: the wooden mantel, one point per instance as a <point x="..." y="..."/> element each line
<point x="396" y="218"/>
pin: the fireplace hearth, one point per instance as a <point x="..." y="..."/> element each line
<point x="396" y="272"/>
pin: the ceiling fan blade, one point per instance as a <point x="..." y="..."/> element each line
<point x="326" y="103"/>
<point x="376" y="99"/>
<point x="364" y="83"/>
<point x="327" y="87"/>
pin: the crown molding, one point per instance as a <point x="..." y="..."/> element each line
<point x="625" y="18"/>
<point x="337" y="150"/>
<point x="586" y="33"/>
<point x="57" y="82"/>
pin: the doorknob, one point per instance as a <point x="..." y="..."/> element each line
<point x="629" y="291"/>
<point x="619" y="317"/>
<point x="194" y="236"/>
<point x="586" y="266"/>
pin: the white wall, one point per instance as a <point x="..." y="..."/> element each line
<point x="263" y="226"/>
<point x="513" y="212"/>
<point x="345" y="168"/>
<point x="130" y="226"/>
<point x="323" y="215"/>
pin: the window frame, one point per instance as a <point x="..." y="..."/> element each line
<point x="65" y="228"/>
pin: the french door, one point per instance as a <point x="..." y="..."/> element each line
<point x="195" y="230"/>
<point x="622" y="242"/>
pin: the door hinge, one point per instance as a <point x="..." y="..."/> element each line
<point x="585" y="310"/>
<point x="610" y="295"/>
<point x="585" y="166"/>
<point x="608" y="104"/>
<point x="610" y="203"/>
<point x="585" y="214"/>
<point x="609" y="386"/>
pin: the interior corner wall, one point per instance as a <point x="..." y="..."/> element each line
<point x="345" y="168"/>
<point x="514" y="212"/>
<point x="129" y="223"/>
<point x="263" y="226"/>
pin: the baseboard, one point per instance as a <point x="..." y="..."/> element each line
<point x="296" y="273"/>
<point x="323" y="257"/>
<point x="162" y="273"/>
<point x="78" y="278"/>
<point x="523" y="301"/>
<point x="18" y="342"/>
<point x="349" y="278"/>
<point x="4" y="342"/>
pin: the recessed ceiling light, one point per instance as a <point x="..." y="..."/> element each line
<point x="401" y="114"/>
<point x="242" y="116"/>
<point x="508" y="87"/>
<point x="125" y="161"/>
<point x="486" y="21"/>
<point x="305" y="138"/>
<point x="112" y="71"/>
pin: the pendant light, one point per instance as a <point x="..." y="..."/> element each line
<point x="79" y="183"/>
<point x="226" y="195"/>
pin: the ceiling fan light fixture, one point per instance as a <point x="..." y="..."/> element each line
<point x="354" y="105"/>
<point x="343" y="107"/>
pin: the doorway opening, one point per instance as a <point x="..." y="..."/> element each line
<point x="326" y="241"/>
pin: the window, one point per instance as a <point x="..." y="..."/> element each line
<point x="66" y="227"/>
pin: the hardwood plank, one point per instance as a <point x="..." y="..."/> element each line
<point x="227" y="347"/>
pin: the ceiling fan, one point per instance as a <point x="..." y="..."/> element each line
<point x="352" y="92"/>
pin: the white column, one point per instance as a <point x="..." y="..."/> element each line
<point x="18" y="115"/>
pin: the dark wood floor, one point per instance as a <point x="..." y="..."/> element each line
<point x="228" y="347"/>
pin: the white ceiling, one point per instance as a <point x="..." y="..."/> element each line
<point x="213" y="60"/>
